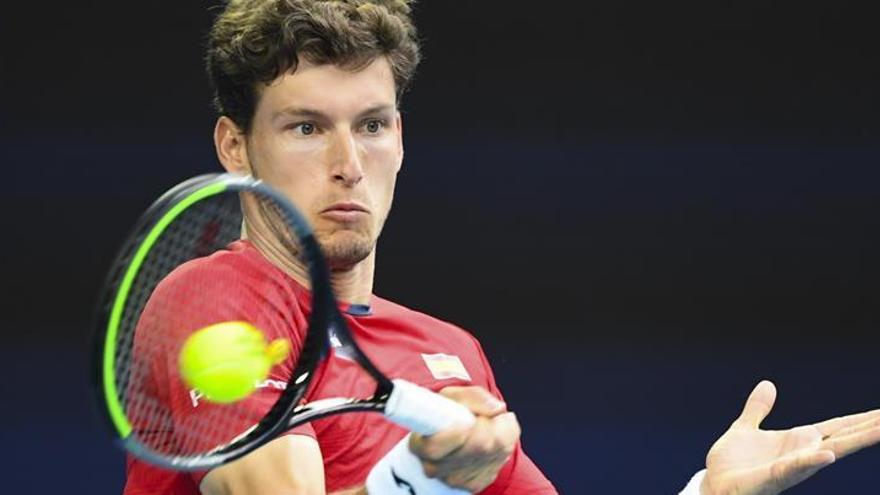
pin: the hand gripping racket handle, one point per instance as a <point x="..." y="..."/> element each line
<point x="423" y="411"/>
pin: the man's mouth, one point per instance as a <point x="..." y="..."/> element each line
<point x="345" y="211"/>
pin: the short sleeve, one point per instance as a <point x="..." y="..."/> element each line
<point x="306" y="429"/>
<point x="199" y="294"/>
<point x="520" y="476"/>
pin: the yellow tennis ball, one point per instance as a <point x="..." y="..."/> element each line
<point x="227" y="361"/>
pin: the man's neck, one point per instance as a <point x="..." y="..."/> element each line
<point x="352" y="285"/>
<point x="355" y="285"/>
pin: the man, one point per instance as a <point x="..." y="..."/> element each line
<point x="308" y="94"/>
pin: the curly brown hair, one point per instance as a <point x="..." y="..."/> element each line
<point x="252" y="42"/>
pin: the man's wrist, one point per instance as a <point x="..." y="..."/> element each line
<point x="401" y="472"/>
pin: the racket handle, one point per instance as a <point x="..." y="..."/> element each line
<point x="423" y="411"/>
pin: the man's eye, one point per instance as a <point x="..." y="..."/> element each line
<point x="374" y="126"/>
<point x="302" y="128"/>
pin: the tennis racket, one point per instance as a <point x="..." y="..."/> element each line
<point x="135" y="359"/>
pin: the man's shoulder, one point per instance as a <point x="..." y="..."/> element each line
<point x="227" y="270"/>
<point x="433" y="325"/>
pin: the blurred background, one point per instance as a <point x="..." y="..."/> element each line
<point x="640" y="208"/>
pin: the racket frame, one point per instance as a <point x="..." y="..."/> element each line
<point x="287" y="411"/>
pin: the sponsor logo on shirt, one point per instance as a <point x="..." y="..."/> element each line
<point x="195" y="395"/>
<point x="444" y="366"/>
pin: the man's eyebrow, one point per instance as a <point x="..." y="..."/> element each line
<point x="300" y="112"/>
<point x="380" y="108"/>
<point x="319" y="115"/>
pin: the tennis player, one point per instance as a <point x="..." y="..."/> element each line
<point x="308" y="94"/>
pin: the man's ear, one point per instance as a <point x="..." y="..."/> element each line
<point x="399" y="120"/>
<point x="231" y="147"/>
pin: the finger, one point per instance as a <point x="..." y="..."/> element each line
<point x="831" y="426"/>
<point x="857" y="428"/>
<point x="486" y="451"/>
<point x="441" y="444"/>
<point x="486" y="436"/>
<point x="844" y="445"/>
<point x="507" y="431"/>
<point x="479" y="400"/>
<point x="758" y="405"/>
<point x="464" y="460"/>
<point x="486" y="446"/>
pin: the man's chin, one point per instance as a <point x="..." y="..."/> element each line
<point x="346" y="249"/>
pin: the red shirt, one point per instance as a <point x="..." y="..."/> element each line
<point x="403" y="343"/>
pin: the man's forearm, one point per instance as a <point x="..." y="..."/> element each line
<point x="287" y="464"/>
<point x="351" y="491"/>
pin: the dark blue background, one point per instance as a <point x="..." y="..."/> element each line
<point x="640" y="209"/>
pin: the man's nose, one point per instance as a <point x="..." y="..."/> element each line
<point x="345" y="163"/>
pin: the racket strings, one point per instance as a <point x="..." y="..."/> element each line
<point x="148" y="346"/>
<point x="266" y="225"/>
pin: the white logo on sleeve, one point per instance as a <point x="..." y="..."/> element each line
<point x="444" y="366"/>
<point x="195" y="395"/>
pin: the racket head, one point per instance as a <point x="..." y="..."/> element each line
<point x="191" y="221"/>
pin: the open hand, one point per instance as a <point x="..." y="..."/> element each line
<point x="749" y="461"/>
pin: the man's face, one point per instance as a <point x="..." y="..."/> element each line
<point x="330" y="140"/>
